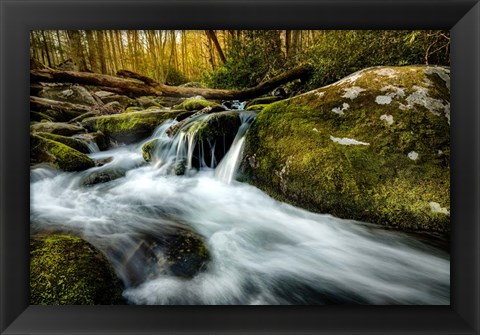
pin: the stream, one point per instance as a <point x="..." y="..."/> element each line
<point x="262" y="251"/>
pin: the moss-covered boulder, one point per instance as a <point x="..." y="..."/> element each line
<point x="182" y="253"/>
<point x="256" y="108"/>
<point x="121" y="99"/>
<point x="374" y="147"/>
<point x="214" y="126"/>
<point x="68" y="141"/>
<point x="211" y="132"/>
<point x="197" y="103"/>
<point x="66" y="270"/>
<point x="145" y="102"/>
<point x="128" y="127"/>
<point x="186" y="254"/>
<point x="59" y="155"/>
<point x="263" y="100"/>
<point x="57" y="128"/>
<point x="133" y="109"/>
<point x="69" y="93"/>
<point x="148" y="149"/>
<point x="102" y="176"/>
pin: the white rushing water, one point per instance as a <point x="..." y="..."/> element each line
<point x="262" y="251"/>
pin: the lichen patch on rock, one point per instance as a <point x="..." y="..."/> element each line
<point x="347" y="141"/>
<point x="387" y="118"/>
<point x="341" y="110"/>
<point x="393" y="91"/>
<point x="387" y="72"/>
<point x="437" y="208"/>
<point x="421" y="97"/>
<point x="383" y="100"/>
<point x="352" y="92"/>
<point x="442" y="72"/>
<point x="413" y="155"/>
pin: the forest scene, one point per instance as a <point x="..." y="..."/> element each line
<point x="239" y="167"/>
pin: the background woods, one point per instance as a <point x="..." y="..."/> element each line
<point x="234" y="58"/>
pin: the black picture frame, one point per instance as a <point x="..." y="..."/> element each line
<point x="18" y="17"/>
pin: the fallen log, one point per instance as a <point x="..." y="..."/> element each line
<point x="125" y="86"/>
<point x="141" y="85"/>
<point x="37" y="103"/>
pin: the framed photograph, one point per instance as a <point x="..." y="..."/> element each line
<point x="239" y="167"/>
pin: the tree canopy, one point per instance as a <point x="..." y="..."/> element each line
<point x="235" y="59"/>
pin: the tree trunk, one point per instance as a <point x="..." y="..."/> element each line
<point x="288" y="36"/>
<point x="114" y="54"/>
<point x="47" y="51"/>
<point x="92" y="50"/>
<point x="101" y="51"/>
<point x="60" y="48"/>
<point x="148" y="86"/>
<point x="211" y="34"/>
<point x="75" y="46"/>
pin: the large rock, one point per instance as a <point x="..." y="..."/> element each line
<point x="54" y="115"/>
<point x="57" y="128"/>
<point x="146" y="102"/>
<point x="182" y="253"/>
<point x="148" y="149"/>
<point x="102" y="176"/>
<point x="97" y="137"/>
<point x="128" y="127"/>
<point x="108" y="97"/>
<point x="263" y="101"/>
<point x="374" y="146"/>
<point x="197" y="103"/>
<point x="214" y="126"/>
<point x="66" y="270"/>
<point x="59" y="155"/>
<point x="212" y="132"/>
<point x="68" y="141"/>
<point x="71" y="93"/>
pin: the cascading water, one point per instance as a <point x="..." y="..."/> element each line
<point x="261" y="251"/>
<point x="229" y="165"/>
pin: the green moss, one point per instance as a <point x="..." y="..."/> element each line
<point x="215" y="125"/>
<point x="102" y="176"/>
<point x="198" y="104"/>
<point x="40" y="117"/>
<point x="263" y="101"/>
<point x="128" y="127"/>
<point x="258" y="107"/>
<point x="43" y="150"/>
<point x="68" y="141"/>
<point x="186" y="254"/>
<point x="66" y="270"/>
<point x="148" y="148"/>
<point x="289" y="154"/>
<point x="133" y="109"/>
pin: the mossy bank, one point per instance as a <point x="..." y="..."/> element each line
<point x="66" y="270"/>
<point x="374" y="147"/>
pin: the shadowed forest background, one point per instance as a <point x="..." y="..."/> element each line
<point x="235" y="59"/>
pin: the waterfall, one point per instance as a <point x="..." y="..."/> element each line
<point x="92" y="146"/>
<point x="228" y="167"/>
<point x="184" y="150"/>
